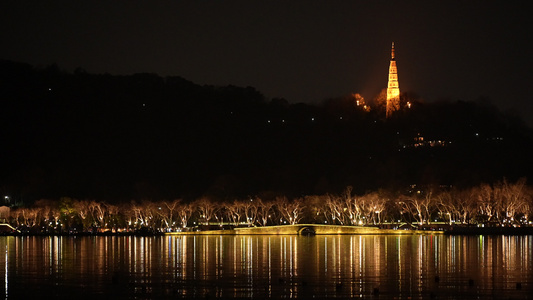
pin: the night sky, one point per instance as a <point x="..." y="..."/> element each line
<point x="304" y="51"/>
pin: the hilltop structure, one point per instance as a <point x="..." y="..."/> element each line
<point x="393" y="88"/>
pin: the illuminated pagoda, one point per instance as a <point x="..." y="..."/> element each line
<point x="393" y="88"/>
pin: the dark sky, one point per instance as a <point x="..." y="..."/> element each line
<point x="304" y="51"/>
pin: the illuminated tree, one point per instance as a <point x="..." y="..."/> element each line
<point x="185" y="212"/>
<point x="26" y="217"/>
<point x="513" y="199"/>
<point x="447" y="207"/>
<point x="359" y="102"/>
<point x="264" y="211"/>
<point x="99" y="211"/>
<point x="128" y="214"/>
<point x="67" y="211"/>
<point x="375" y="205"/>
<point x="55" y="213"/>
<point x="167" y="211"/>
<point x="206" y="209"/>
<point x="502" y="202"/>
<point x="138" y="215"/>
<point x="82" y="208"/>
<point x="348" y="208"/>
<point x="527" y="208"/>
<point x="250" y="211"/>
<point x="420" y="206"/>
<point x="352" y="210"/>
<point x="113" y="216"/>
<point x="466" y="206"/>
<point x="151" y="215"/>
<point x="487" y="204"/>
<point x="334" y="210"/>
<point x="234" y="211"/>
<point x="48" y="211"/>
<point x="290" y="211"/>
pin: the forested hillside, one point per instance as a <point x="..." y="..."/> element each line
<point x="142" y="136"/>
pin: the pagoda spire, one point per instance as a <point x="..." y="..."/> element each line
<point x="393" y="87"/>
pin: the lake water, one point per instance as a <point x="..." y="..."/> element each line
<point x="345" y="266"/>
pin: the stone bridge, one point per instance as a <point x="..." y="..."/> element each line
<point x="307" y="229"/>
<point x="6" y="228"/>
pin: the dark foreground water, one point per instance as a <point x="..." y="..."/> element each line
<point x="170" y="267"/>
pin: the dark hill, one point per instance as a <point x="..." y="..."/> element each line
<point x="144" y="136"/>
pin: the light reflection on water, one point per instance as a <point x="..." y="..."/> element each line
<point x="370" y="266"/>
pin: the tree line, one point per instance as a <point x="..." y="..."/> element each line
<point x="499" y="204"/>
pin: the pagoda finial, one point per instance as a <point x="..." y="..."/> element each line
<point x="392" y="52"/>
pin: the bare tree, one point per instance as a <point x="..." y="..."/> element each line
<point x="151" y="216"/>
<point x="527" y="208"/>
<point x="447" y="206"/>
<point x="207" y="209"/>
<point x="129" y="214"/>
<point x="335" y="208"/>
<point x="420" y="206"/>
<point x="264" y="211"/>
<point x="48" y="210"/>
<point x="250" y="211"/>
<point x="352" y="209"/>
<point x="291" y="211"/>
<point x="138" y="219"/>
<point x="466" y="205"/>
<point x="99" y="210"/>
<point x="185" y="212"/>
<point x="234" y="211"/>
<point x="515" y="198"/>
<point x="26" y="217"/>
<point x="167" y="211"/>
<point x="486" y="202"/>
<point x="82" y="209"/>
<point x="113" y="216"/>
<point x="375" y="207"/>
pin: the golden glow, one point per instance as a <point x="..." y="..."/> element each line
<point x="393" y="88"/>
<point x="260" y="266"/>
<point x="360" y="102"/>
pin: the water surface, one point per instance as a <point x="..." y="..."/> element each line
<point x="344" y="266"/>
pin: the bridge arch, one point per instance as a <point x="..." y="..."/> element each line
<point x="307" y="230"/>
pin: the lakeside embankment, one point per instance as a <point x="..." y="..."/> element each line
<point x="306" y="229"/>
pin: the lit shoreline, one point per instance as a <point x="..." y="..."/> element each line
<point x="307" y="229"/>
